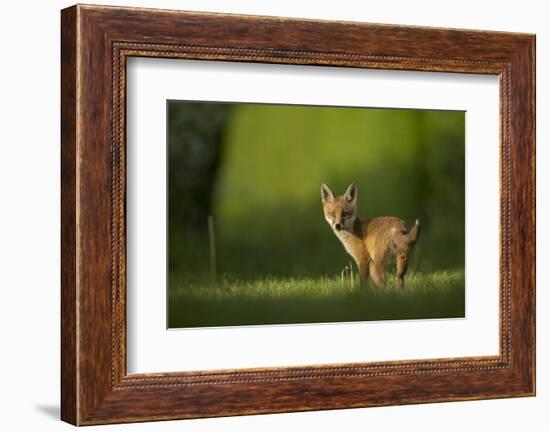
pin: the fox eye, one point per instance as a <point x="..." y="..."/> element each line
<point x="345" y="214"/>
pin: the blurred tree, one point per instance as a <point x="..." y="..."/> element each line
<point x="195" y="141"/>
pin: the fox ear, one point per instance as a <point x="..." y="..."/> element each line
<point x="351" y="193"/>
<point x="326" y="193"/>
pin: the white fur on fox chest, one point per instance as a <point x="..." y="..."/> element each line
<point x="346" y="238"/>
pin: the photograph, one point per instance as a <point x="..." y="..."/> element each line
<point x="304" y="214"/>
<point x="294" y="214"/>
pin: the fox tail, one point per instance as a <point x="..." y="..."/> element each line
<point x="414" y="232"/>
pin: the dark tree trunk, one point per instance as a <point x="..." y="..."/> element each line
<point x="195" y="139"/>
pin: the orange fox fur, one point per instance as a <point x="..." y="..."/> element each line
<point x="371" y="243"/>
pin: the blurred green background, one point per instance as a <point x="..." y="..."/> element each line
<point x="256" y="170"/>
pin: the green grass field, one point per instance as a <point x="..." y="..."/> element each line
<point x="313" y="300"/>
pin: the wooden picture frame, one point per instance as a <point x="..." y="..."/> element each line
<point x="95" y="43"/>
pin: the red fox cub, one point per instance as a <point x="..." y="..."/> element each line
<point x="371" y="243"/>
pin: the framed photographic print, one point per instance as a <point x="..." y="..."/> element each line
<point x="265" y="215"/>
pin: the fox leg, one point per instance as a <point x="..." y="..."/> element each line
<point x="402" y="263"/>
<point x="363" y="273"/>
<point x="378" y="273"/>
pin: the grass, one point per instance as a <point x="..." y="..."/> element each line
<point x="270" y="300"/>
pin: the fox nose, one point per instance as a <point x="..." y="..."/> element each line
<point x="338" y="226"/>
